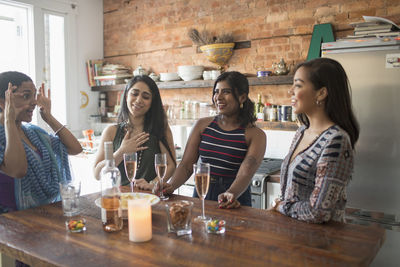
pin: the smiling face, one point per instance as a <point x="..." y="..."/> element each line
<point x="139" y="98"/>
<point x="224" y="100"/>
<point x="25" y="101"/>
<point x="303" y="95"/>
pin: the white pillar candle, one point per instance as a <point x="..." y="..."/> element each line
<point x="139" y="220"/>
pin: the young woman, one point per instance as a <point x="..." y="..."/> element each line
<point x="229" y="142"/>
<point x="33" y="162"/>
<point x="143" y="128"/>
<point x="318" y="167"/>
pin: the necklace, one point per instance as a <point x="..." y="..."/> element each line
<point x="139" y="160"/>
<point x="128" y="126"/>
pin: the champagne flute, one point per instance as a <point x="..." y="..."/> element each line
<point x="130" y="163"/>
<point x="160" y="163"/>
<point x="202" y="181"/>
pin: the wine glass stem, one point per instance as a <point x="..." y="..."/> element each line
<point x="132" y="186"/>
<point x="161" y="188"/>
<point x="202" y="206"/>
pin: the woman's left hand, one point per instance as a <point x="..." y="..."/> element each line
<point x="44" y="103"/>
<point x="143" y="184"/>
<point x="227" y="201"/>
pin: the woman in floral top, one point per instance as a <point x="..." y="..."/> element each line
<point x="319" y="164"/>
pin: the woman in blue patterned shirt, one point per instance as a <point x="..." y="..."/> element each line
<point x="32" y="162"/>
<point x="229" y="142"/>
<point x="319" y="164"/>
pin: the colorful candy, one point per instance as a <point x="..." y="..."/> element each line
<point x="216" y="226"/>
<point x="76" y="226"/>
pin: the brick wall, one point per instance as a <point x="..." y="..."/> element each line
<point x="154" y="33"/>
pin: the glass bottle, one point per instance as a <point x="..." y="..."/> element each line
<point x="259" y="109"/>
<point x="111" y="213"/>
<point x="273" y="113"/>
<point x="267" y="106"/>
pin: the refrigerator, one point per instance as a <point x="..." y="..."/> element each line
<point x="373" y="68"/>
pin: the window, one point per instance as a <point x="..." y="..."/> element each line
<point x="55" y="64"/>
<point x="37" y="44"/>
<point x="16" y="47"/>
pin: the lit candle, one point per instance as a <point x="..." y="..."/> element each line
<point x="139" y="220"/>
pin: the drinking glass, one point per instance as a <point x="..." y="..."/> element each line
<point x="179" y="217"/>
<point x="130" y="163"/>
<point x="70" y="191"/>
<point x="160" y="163"/>
<point x="202" y="182"/>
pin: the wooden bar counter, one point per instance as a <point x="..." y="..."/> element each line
<point x="253" y="237"/>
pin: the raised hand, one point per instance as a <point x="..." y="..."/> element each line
<point x="44" y="103"/>
<point x="10" y="111"/>
<point x="133" y="143"/>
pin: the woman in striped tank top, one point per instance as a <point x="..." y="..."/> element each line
<point x="229" y="142"/>
<point x="319" y="164"/>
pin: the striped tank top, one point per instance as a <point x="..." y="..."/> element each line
<point x="223" y="150"/>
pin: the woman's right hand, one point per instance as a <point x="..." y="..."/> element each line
<point x="134" y="143"/>
<point x="10" y="112"/>
<point x="167" y="189"/>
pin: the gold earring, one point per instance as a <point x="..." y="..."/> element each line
<point x="241" y="105"/>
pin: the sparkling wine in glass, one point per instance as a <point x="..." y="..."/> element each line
<point x="130" y="163"/>
<point x="160" y="163"/>
<point x="202" y="182"/>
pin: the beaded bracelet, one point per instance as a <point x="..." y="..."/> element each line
<point x="56" y="132"/>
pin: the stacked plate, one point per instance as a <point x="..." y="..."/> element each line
<point x="169" y="76"/>
<point x="189" y="73"/>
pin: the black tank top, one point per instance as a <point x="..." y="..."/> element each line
<point x="146" y="168"/>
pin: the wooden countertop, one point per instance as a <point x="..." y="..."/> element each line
<point x="253" y="237"/>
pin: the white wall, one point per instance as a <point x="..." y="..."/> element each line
<point x="89" y="45"/>
<point x="278" y="143"/>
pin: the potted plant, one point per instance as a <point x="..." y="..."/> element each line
<point x="218" y="49"/>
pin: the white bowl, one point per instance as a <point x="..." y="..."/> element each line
<point x="193" y="68"/>
<point x="169" y="76"/>
<point x="190" y="77"/>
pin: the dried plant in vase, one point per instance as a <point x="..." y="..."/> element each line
<point x="217" y="49"/>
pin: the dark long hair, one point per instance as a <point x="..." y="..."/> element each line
<point x="326" y="72"/>
<point x="155" y="119"/>
<point x="14" y="77"/>
<point x="239" y="85"/>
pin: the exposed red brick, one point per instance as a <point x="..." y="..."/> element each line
<point x="154" y="33"/>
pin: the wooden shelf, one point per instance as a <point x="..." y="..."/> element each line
<point x="253" y="81"/>
<point x="277" y="125"/>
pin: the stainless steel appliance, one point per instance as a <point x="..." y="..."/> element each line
<point x="259" y="181"/>
<point x="373" y="69"/>
<point x="375" y="87"/>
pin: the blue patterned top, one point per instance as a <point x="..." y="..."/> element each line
<point x="223" y="150"/>
<point x="46" y="169"/>
<point x="313" y="185"/>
